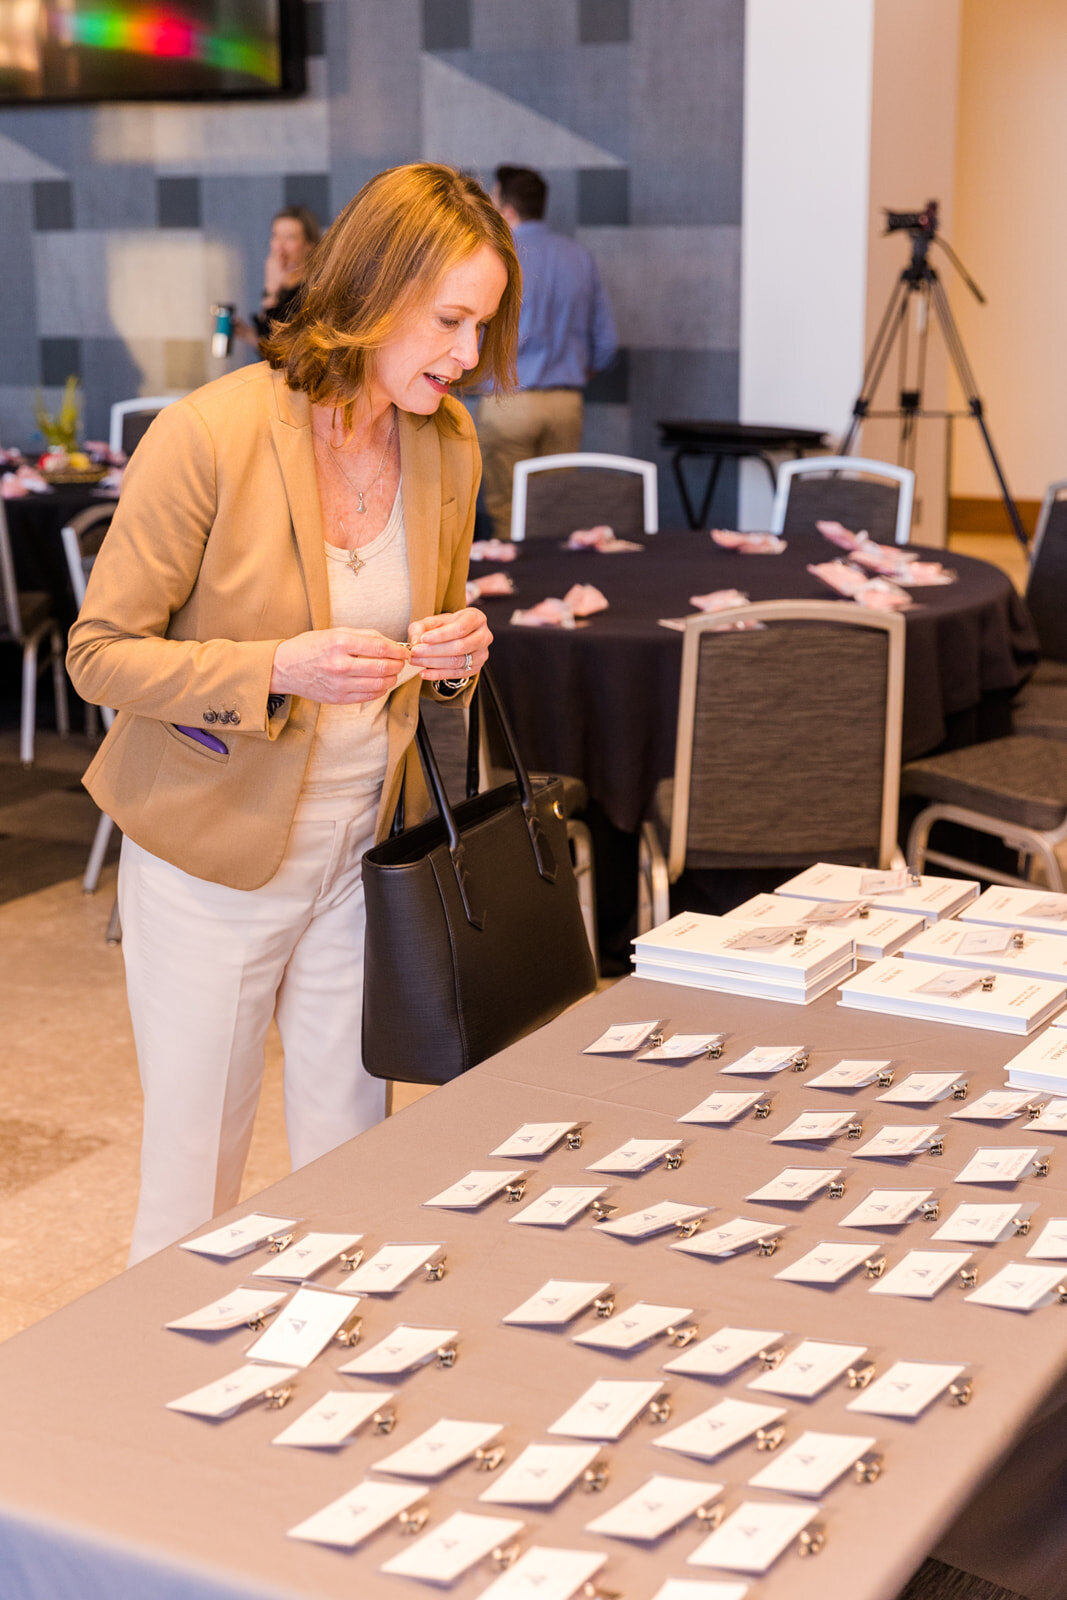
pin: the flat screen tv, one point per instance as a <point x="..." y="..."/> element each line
<point x="92" y="50"/>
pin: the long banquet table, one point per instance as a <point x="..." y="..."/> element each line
<point x="601" y="701"/>
<point x="105" y="1495"/>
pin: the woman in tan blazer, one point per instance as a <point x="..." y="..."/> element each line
<point x="283" y="577"/>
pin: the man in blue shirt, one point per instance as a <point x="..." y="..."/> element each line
<point x="566" y="333"/>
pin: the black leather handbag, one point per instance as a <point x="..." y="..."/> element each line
<point x="474" y="932"/>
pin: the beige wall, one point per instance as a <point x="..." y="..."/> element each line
<point x="1010" y="228"/>
<point x="912" y="145"/>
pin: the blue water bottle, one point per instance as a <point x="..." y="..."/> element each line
<point x="222" y="337"/>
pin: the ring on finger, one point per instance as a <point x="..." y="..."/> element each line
<point x="468" y="662"/>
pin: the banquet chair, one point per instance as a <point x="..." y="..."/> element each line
<point x="1041" y="707"/>
<point x="26" y="620"/>
<point x="552" y="496"/>
<point x="82" y="538"/>
<point x="788" y="748"/>
<point x="131" y="419"/>
<point x="874" y="496"/>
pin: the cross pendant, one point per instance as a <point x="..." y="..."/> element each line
<point x="355" y="565"/>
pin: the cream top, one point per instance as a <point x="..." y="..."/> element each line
<point x="347" y="764"/>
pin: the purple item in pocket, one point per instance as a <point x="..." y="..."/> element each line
<point x="207" y="739"/>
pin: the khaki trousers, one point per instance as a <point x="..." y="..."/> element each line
<point x="514" y="427"/>
<point x="207" y="967"/>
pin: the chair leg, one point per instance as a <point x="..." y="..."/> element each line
<point x="28" y="720"/>
<point x="97" y="854"/>
<point x="114" y="925"/>
<point x="653" y="881"/>
<point x="59" y="683"/>
<point x="581" y="844"/>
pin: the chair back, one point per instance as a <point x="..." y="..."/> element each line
<point x="82" y="538"/>
<point x="131" y="420"/>
<point x="1046" y="586"/>
<point x="10" y="611"/>
<point x="874" y="496"/>
<point x="552" y="496"/>
<point x="788" y="737"/>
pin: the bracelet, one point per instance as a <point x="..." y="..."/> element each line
<point x="453" y="685"/>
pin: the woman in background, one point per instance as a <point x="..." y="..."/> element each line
<point x="294" y="233"/>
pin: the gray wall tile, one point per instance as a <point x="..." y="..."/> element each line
<point x="603" y="21"/>
<point x="311" y="189"/>
<point x="53" y="205"/>
<point x="60" y="360"/>
<point x="21" y="356"/>
<point x="314" y="28"/>
<point x="110" y="372"/>
<point x="603" y="197"/>
<point x="673" y="288"/>
<point x="446" y="24"/>
<point x="178" y="202"/>
<point x="513" y="25"/>
<point x="115" y="196"/>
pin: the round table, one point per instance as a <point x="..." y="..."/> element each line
<point x="601" y="701"/>
<point x="35" y="522"/>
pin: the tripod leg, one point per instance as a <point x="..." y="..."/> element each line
<point x="958" y="357"/>
<point x="888" y="329"/>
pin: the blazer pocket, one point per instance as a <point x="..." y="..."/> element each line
<point x="193" y="746"/>
<point x="449" y="508"/>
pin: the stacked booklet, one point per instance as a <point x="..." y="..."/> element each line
<point x="1042" y="1064"/>
<point x="876" y="931"/>
<point x="1020" y="908"/>
<point x="970" y="996"/>
<point x="970" y="944"/>
<point x="786" y="961"/>
<point x="895" y="890"/>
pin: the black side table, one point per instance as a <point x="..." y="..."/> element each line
<point x="726" y="441"/>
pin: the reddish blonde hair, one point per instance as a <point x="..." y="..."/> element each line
<point x="384" y="255"/>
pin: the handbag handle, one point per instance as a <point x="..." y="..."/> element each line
<point x="543" y="857"/>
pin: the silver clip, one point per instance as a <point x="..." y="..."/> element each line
<point x="1061" y="1293"/>
<point x="257" y="1323"/>
<point x="811" y="1541"/>
<point x="936" y="1147"/>
<point x="874" y="1267"/>
<point x="761" y="1110"/>
<point x="348" y="1333"/>
<point x="929" y="1210"/>
<point x="574" y="1139"/>
<point x="487" y="1459"/>
<point x="277" y="1242"/>
<point x="686" y="1230"/>
<point x="959" y="1091"/>
<point x="604" y="1306"/>
<point x="715" y="1050"/>
<point x="384" y="1420"/>
<point x="863" y="913"/>
<point x="968" y="1277"/>
<point x="435" y="1270"/>
<point x="835" y="1189"/>
<point x="915" y="880"/>
<point x="769" y="1359"/>
<point x="853" y="1130"/>
<point x="672" y="1160"/>
<point x="988" y="983"/>
<point x="349" y="1260"/>
<point x="655" y="1039"/>
<point x="590" y="1591"/>
<point x="412" y="1522"/>
<point x="767" y="1247"/>
<point x="799" y="1062"/>
<point x="1035" y="1110"/>
<point x="884" y="1080"/>
<point x="711" y="1516"/>
<point x="680" y="1337"/>
<point x="601" y="1210"/>
<point x="1022" y="1225"/>
<point x="860" y="1377"/>
<point x="278" y="1397"/>
<point x="959" y="1394"/>
<point x="1018" y="940"/>
<point x="1041" y="1167"/>
<point x="596" y="1477"/>
<point x="659" y="1410"/>
<point x="799" y="935"/>
<point x="446" y="1355"/>
<point x="868" y="1469"/>
<point x="770" y="1438"/>
<point x="513" y="1192"/>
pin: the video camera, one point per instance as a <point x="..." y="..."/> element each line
<point x="921" y="222"/>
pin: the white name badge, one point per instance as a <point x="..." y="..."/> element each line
<point x="653" y="1510"/>
<point x="850" y="1074"/>
<point x="718" y="1429"/>
<point x="230" y="1311"/>
<point x="304" y="1329"/>
<point x="406" y="1347"/>
<point x="998" y="1105"/>
<point x="813" y="1127"/>
<point x="684" y="1047"/>
<point x="753" y="1537"/>
<point x="1053" y="1118"/>
<point x="729" y="1237"/>
<point x="696" y="1589"/>
<point x="922" y="1088"/>
<point x="558" y="1206"/>
<point x="766" y="1059"/>
<point x="473" y="1190"/>
<point x="721" y="1108"/>
<point x="540" y="1475"/>
<point x="332" y="1420"/>
<point x="922" y="1273"/>
<point x="906" y="1389"/>
<point x="237" y="1238"/>
<point x="995" y="1164"/>
<point x="606" y="1409"/>
<point x="435" y="1452"/>
<point x="1051" y="1242"/>
<point x="346" y="1522"/>
<point x="307" y="1256"/>
<point x="390" y="1268"/>
<point x="658" y="1218"/>
<point x="556" y="1302"/>
<point x="809" y="1369"/>
<point x="723" y="1352"/>
<point x="533" y="1139"/>
<point x="622" y="1038"/>
<point x="897" y="1141"/>
<point x="828" y="1262"/>
<point x="445" y="1553"/>
<point x="636" y="1155"/>
<point x="886" y="1208"/>
<point x="541" y="1573"/>
<point x="228" y="1394"/>
<point x="635" y="1326"/>
<point x="795" y="1185"/>
<point x="812" y="1464"/>
<point x="1020" y="1287"/>
<point x="978" y="1224"/>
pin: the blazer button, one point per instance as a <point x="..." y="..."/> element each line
<point x="211" y="716"/>
<point x="224" y="716"/>
<point x="235" y="717"/>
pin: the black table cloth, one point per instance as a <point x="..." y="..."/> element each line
<point x="35" y="522"/>
<point x="601" y="701"/>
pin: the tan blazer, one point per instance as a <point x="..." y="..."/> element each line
<point x="214" y="557"/>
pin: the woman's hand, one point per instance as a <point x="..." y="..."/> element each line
<point x="338" y="666"/>
<point x="455" y="645"/>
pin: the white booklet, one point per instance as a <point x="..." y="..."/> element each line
<point x="966" y="996"/>
<point x="811" y="1464"/>
<point x="753" y="1537"/>
<point x="683" y="972"/>
<point x="237" y="1238"/>
<point x="545" y="1573"/>
<point x="406" y="1347"/>
<point x="333" y="1420"/>
<point x="723" y="1352"/>
<point x="793" y="954"/>
<point x="453" y="1546"/>
<point x="906" y="1389"/>
<point x="247" y="1306"/>
<point x="540" y="1475"/>
<point x="606" y="1409"/>
<point x="437" y="1450"/>
<point x="629" y="1329"/>
<point x="992" y="949"/>
<point x="1042" y="1064"/>
<point x="304" y="1257"/>
<point x="346" y="1522"/>
<point x="875" y="930"/>
<point x="711" y="1433"/>
<point x="557" y="1301"/>
<point x="894" y="890"/>
<point x="659" y="1505"/>
<point x="809" y="1369"/>
<point x="1019" y="908"/>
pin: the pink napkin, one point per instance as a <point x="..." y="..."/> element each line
<point x="601" y="539"/>
<point x="749" y="544"/>
<point x="838" y="534"/>
<point x="493" y="583"/>
<point x="24" y="480"/>
<point x="878" y="594"/>
<point x="584" y="600"/>
<point x="546" y="614"/>
<point x="493" y="550"/>
<point x="718" y="600"/>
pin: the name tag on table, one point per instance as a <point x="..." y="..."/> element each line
<point x="542" y="1573"/>
<point x="636" y="1155"/>
<point x="305" y="1257"/>
<point x="346" y="1522"/>
<point x="435" y="1452"/>
<point x="829" y="1262"/>
<point x="237" y="1238"/>
<point x="556" y="1302"/>
<point x="304" y="1329"/>
<point x="721" y="1107"/>
<point x="794" y="1185"/>
<point x="558" y="1206"/>
<point x="445" y="1553"/>
<point x="540" y="1475"/>
<point x="240" y="1306"/>
<point x="906" y="1389"/>
<point x="897" y="1140"/>
<point x="753" y="1537"/>
<point x="333" y="1420"/>
<point x="629" y="1329"/>
<point x="406" y="1347"/>
<point x="228" y="1394"/>
<point x="653" y="1510"/>
<point x="923" y="1088"/>
<point x="978" y="1224"/>
<point x="534" y="1139"/>
<point x="695" y="1589"/>
<point x="850" y="1074"/>
<point x="729" y="1237"/>
<point x="660" y="1218"/>
<point x="1020" y="1287"/>
<point x="390" y="1268"/>
<point x="922" y="1273"/>
<point x="718" y="1429"/>
<point x="1051" y="1242"/>
<point x="998" y="1105"/>
<point x="1053" y="1118"/>
<point x="623" y="1038"/>
<point x="813" y="1463"/>
<point x="814" y="1127"/>
<point x="809" y="1369"/>
<point x="993" y="1164"/>
<point x="684" y="1047"/>
<point x="474" y="1190"/>
<point x="723" y="1352"/>
<point x="766" y="1059"/>
<point x="886" y="1208"/>
<point x="606" y="1409"/>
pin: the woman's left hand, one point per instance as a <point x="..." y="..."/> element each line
<point x="455" y="645"/>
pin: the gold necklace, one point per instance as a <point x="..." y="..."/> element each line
<point x="362" y="493"/>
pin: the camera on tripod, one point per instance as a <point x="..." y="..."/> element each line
<point x="924" y="221"/>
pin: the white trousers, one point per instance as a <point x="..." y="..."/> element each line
<point x="207" y="967"/>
